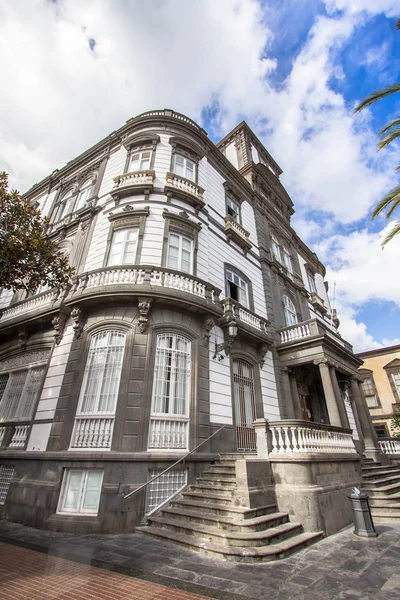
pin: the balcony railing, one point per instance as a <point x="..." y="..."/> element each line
<point x="237" y="233"/>
<point x="389" y="445"/>
<point x="92" y="433"/>
<point x="26" y="306"/>
<point x="244" y="315"/>
<point x="189" y="190"/>
<point x="168" y="434"/>
<point x="297" y="437"/>
<point x="308" y="329"/>
<point x="169" y="113"/>
<point x="19" y="438"/>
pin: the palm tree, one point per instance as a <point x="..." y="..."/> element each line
<point x="388" y="134"/>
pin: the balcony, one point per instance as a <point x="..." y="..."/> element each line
<point x="155" y="282"/>
<point x="92" y="433"/>
<point x="247" y="321"/>
<point x="290" y="437"/>
<point x="318" y="303"/>
<point x="14" y="436"/>
<point x="129" y="184"/>
<point x="236" y="233"/>
<point x="389" y="445"/>
<point x="184" y="189"/>
<point x="35" y="304"/>
<point x="310" y="330"/>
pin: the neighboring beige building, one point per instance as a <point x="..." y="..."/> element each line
<point x="381" y="385"/>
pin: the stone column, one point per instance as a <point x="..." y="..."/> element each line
<point x="368" y="432"/>
<point x="339" y="398"/>
<point x="295" y="395"/>
<point x="329" y="392"/>
<point x="287" y="389"/>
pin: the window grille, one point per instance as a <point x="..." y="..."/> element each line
<point x="6" y="475"/>
<point x="171" y="392"/>
<point x="180" y="253"/>
<point x="123" y="247"/>
<point x="244" y="405"/>
<point x="163" y="488"/>
<point x="3" y="383"/>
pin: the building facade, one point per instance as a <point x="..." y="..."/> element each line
<point x="380" y="373"/>
<point x="194" y="306"/>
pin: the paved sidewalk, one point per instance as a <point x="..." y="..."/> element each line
<point x="341" y="567"/>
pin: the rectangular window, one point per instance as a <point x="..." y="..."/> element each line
<point x="180" y="253"/>
<point x="184" y="167"/>
<point x="6" y="475"/>
<point x="369" y="392"/>
<point x="123" y="247"/>
<point x="140" y="161"/>
<point x="311" y="283"/>
<point x="276" y="251"/>
<point x="396" y="381"/>
<point x="287" y="260"/>
<point x="20" y="393"/>
<point x="80" y="492"/>
<point x="233" y="209"/>
<point x="238" y="289"/>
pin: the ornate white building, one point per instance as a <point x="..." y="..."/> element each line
<point x="194" y="305"/>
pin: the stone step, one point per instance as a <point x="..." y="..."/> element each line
<point x="208" y="498"/>
<point x="228" y="522"/>
<point x="377" y="499"/>
<point x="237" y="553"/>
<point x="372" y="470"/>
<point x="381" y="474"/>
<point x="210" y="488"/>
<point x="385" y="512"/>
<point x="226" y="482"/>
<point x="223" y="471"/>
<point x="384" y="480"/>
<point x="230" y="538"/>
<point x="237" y="455"/>
<point x="221" y="510"/>
<point x="371" y="490"/>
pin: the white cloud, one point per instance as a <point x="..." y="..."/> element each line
<point x="391" y="8"/>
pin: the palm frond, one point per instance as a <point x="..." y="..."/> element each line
<point x="392" y="233"/>
<point x="398" y="24"/>
<point x="393" y="195"/>
<point x="390" y="137"/>
<point x="393" y="123"/>
<point x="378" y="95"/>
<point x="395" y="205"/>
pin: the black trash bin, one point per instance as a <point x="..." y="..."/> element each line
<point x="363" y="523"/>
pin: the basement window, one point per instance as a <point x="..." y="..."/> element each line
<point x="80" y="493"/>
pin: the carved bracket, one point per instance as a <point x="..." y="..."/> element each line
<point x="77" y="326"/>
<point x="144" y="310"/>
<point x="208" y="325"/>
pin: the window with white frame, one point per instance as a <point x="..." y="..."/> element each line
<point x="123" y="247"/>
<point x="80" y="491"/>
<point x="282" y="255"/>
<point x="287" y="260"/>
<point x="140" y="161"/>
<point x="396" y="381"/>
<point x="276" y="251"/>
<point x="311" y="283"/>
<point x="85" y="192"/>
<point x="368" y="388"/>
<point x="171" y="393"/>
<point x="184" y="167"/>
<point x="237" y="288"/>
<point x="290" y="311"/>
<point x="64" y="206"/>
<point x="99" y="391"/>
<point x="233" y="209"/>
<point x="19" y="391"/>
<point x="180" y="253"/>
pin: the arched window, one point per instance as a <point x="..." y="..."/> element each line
<point x="64" y="207"/>
<point x="85" y="192"/>
<point x="170" y="403"/>
<point x="290" y="311"/>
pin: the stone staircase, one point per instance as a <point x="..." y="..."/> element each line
<point x="382" y="484"/>
<point x="204" y="518"/>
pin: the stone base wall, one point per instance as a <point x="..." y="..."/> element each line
<point x="314" y="491"/>
<point x="34" y="492"/>
<point x="255" y="483"/>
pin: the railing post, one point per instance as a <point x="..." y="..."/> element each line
<point x="262" y="438"/>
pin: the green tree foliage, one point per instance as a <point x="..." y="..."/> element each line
<point x="28" y="258"/>
<point x="395" y="423"/>
<point x="391" y="201"/>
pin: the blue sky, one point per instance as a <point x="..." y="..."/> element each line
<point x="293" y="69"/>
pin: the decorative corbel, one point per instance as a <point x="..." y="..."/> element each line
<point x="22" y="338"/>
<point x="58" y="324"/>
<point x="208" y="325"/>
<point x="144" y="309"/>
<point x="262" y="352"/>
<point x="77" y="326"/>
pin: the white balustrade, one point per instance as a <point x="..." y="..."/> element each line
<point x="185" y="185"/>
<point x="34" y="303"/>
<point x="168" y="434"/>
<point x="390" y="446"/>
<point x="113" y="277"/>
<point x="168" y="113"/>
<point x="134" y="178"/>
<point x="19" y="438"/>
<point x="92" y="432"/>
<point x="231" y="223"/>
<point x="292" y="439"/>
<point x="2" y="434"/>
<point x="296" y="332"/>
<point x="250" y="319"/>
<point x="178" y="282"/>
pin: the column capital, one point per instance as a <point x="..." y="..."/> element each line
<point x="320" y="361"/>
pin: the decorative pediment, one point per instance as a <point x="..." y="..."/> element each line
<point x="128" y="216"/>
<point x="181" y="222"/>
<point x="148" y="138"/>
<point x="188" y="145"/>
<point x="393" y="364"/>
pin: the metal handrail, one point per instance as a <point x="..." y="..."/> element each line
<point x="172" y="466"/>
